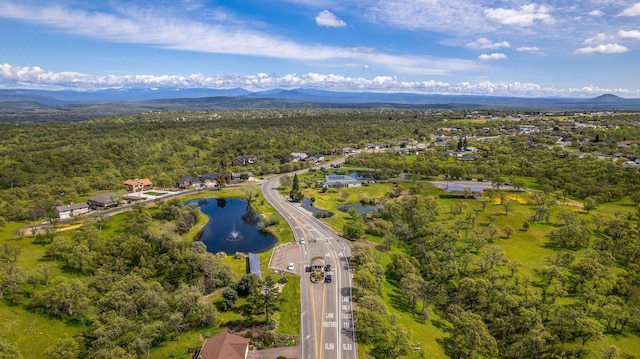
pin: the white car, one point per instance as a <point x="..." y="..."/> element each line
<point x="302" y="241"/>
<point x="290" y="267"/>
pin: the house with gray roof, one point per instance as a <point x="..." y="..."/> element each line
<point x="340" y="181"/>
<point x="103" y="200"/>
<point x="71" y="210"/>
<point x="187" y="181"/>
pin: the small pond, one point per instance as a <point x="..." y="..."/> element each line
<point x="232" y="227"/>
<point x="308" y="205"/>
<point x="363" y="209"/>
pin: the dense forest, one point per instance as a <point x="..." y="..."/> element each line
<point x="133" y="283"/>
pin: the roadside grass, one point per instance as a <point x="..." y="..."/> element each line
<point x="289" y="307"/>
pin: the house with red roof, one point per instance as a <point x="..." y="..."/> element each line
<point x="138" y="185"/>
<point x="224" y="346"/>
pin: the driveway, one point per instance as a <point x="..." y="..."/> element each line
<point x="274" y="353"/>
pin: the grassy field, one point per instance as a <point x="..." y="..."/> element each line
<point x="529" y="247"/>
<point x="33" y="333"/>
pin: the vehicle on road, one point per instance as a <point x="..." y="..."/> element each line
<point x="327" y="268"/>
<point x="327" y="278"/>
<point x="302" y="241"/>
<point x="290" y="267"/>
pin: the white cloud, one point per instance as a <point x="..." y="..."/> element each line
<point x="433" y="15"/>
<point x="328" y="19"/>
<point x="596" y="13"/>
<point x="527" y="15"/>
<point x="366" y="67"/>
<point x="629" y="35"/>
<point x="527" y="48"/>
<point x="152" y="27"/>
<point x="494" y="56"/>
<point x="598" y="39"/>
<point x="484" y="43"/>
<point x="36" y="77"/>
<point x="602" y="49"/>
<point x="631" y="11"/>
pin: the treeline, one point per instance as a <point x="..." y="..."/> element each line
<point x="505" y="159"/>
<point x="132" y="289"/>
<point x="47" y="164"/>
<point x="487" y="306"/>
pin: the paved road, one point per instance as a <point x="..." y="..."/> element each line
<point x="327" y="312"/>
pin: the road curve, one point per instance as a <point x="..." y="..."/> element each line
<point x="327" y="329"/>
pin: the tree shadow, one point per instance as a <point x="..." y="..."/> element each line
<point x="399" y="303"/>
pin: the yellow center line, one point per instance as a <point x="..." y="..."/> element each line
<point x="313" y="305"/>
<point x="324" y="289"/>
<point x="315" y="335"/>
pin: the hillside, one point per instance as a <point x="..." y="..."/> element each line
<point x="40" y="105"/>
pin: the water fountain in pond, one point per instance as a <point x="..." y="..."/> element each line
<point x="235" y="235"/>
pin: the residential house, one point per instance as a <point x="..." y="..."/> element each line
<point x="468" y="157"/>
<point x="316" y="158"/>
<point x="299" y="156"/>
<point x="244" y="160"/>
<point x="210" y="179"/>
<point x="188" y="181"/>
<point x="339" y="181"/>
<point x="462" y="191"/>
<point x="138" y="185"/>
<point x="243" y="176"/>
<point x="223" y="346"/>
<point x="71" y="210"/>
<point x="103" y="200"/>
<point x="624" y="144"/>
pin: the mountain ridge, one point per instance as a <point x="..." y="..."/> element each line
<point x="24" y="104"/>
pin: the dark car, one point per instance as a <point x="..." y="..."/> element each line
<point x="327" y="268"/>
<point x="327" y="278"/>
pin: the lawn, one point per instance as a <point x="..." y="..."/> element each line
<point x="32" y="333"/>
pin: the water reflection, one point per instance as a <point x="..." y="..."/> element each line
<point x="229" y="217"/>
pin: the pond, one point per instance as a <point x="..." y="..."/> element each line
<point x="232" y="227"/>
<point x="308" y="205"/>
<point x="362" y="209"/>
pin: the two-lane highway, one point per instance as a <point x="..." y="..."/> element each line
<point x="327" y="312"/>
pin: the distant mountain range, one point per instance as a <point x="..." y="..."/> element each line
<point x="20" y="104"/>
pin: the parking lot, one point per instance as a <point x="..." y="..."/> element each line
<point x="284" y="255"/>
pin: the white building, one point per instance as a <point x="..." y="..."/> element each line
<point x="71" y="210"/>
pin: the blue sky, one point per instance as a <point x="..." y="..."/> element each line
<point x="518" y="48"/>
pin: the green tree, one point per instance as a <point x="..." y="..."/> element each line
<point x="229" y="297"/>
<point x="508" y="231"/>
<point x="295" y="194"/>
<point x="411" y="286"/>
<point x="573" y="234"/>
<point x="469" y="337"/>
<point x="263" y="298"/>
<point x="9" y="349"/>
<point x="65" y="348"/>
<point x="64" y="298"/>
<point x="589" y="204"/>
